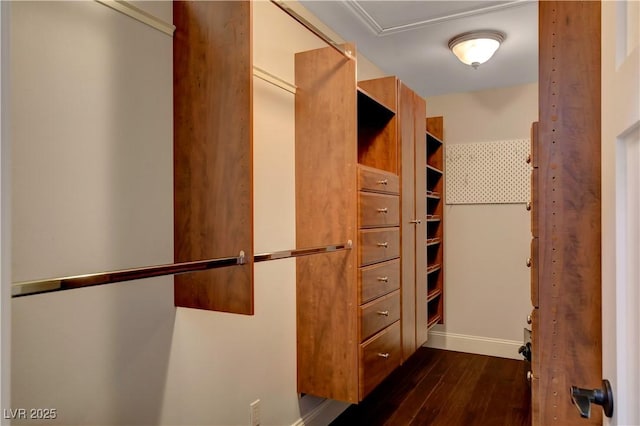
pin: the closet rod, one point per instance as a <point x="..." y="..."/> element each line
<point x="286" y="9"/>
<point x="302" y="252"/>
<point x="28" y="288"/>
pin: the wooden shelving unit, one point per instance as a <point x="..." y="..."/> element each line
<point x="356" y="179"/>
<point x="435" y="221"/>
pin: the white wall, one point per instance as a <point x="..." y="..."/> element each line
<point x="91" y="127"/>
<point x="487" y="284"/>
<point x="5" y="219"/>
<point x="92" y="171"/>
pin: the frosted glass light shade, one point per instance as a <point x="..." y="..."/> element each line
<point x="476" y="47"/>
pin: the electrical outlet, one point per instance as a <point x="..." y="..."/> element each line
<point x="254" y="413"/>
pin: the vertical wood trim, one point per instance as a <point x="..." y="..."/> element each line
<point x="384" y="89"/>
<point x="326" y="211"/>
<point x="435" y="126"/>
<point x="213" y="179"/>
<point x="569" y="338"/>
<point x="420" y="179"/>
<point x="406" y="143"/>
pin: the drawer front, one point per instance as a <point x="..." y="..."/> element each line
<point x="534" y="202"/>
<point x="534" y="144"/>
<point x="378" y="245"/>
<point x="379" y="356"/>
<point x="370" y="179"/>
<point x="533" y="262"/>
<point x="378" y="280"/>
<point x="380" y="313"/>
<point x="378" y="210"/>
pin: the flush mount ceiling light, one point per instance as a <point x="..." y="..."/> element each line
<point x="476" y="47"/>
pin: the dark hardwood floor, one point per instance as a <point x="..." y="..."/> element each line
<point x="436" y="387"/>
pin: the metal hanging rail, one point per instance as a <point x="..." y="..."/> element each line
<point x="308" y="25"/>
<point x="302" y="252"/>
<point x="28" y="288"/>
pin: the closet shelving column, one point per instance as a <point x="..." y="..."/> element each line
<point x="435" y="221"/>
<point x="378" y="233"/>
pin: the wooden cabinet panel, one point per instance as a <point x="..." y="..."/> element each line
<point x="378" y="357"/>
<point x="533" y="261"/>
<point x="378" y="210"/>
<point x="569" y="163"/>
<point x="378" y="280"/>
<point x="373" y="211"/>
<point x="375" y="180"/>
<point x="534" y="145"/>
<point x="326" y="213"/>
<point x="378" y="245"/>
<point x="213" y="197"/>
<point x="378" y="314"/>
<point x="535" y="203"/>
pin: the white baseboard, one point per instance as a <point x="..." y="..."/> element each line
<point x="474" y="344"/>
<point x="323" y="414"/>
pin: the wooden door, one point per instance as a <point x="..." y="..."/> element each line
<point x="621" y="206"/>
<point x="567" y="327"/>
<point x="412" y="110"/>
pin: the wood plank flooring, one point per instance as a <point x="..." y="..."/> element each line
<point x="436" y="387"/>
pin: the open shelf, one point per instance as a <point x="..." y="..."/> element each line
<point x="433" y="294"/>
<point x="433" y="268"/>
<point x="435" y="216"/>
<point x="434" y="320"/>
<point x="432" y="141"/>
<point x="434" y="170"/>
<point x="433" y="241"/>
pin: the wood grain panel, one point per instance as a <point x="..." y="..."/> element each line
<point x="383" y="89"/>
<point x="373" y="366"/>
<point x="378" y="245"/>
<point x="535" y="367"/>
<point x="534" y="144"/>
<point x="375" y="180"/>
<point x="378" y="280"/>
<point x="535" y="203"/>
<point x="326" y="330"/>
<point x="535" y="289"/>
<point x="213" y="151"/>
<point x="378" y="210"/>
<point x="420" y="189"/>
<point x="408" y="232"/>
<point x="378" y="314"/>
<point x="377" y="126"/>
<point x="570" y="343"/>
<point x="435" y="126"/>
<point x="326" y="290"/>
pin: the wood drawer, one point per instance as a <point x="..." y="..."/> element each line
<point x="380" y="313"/>
<point x="533" y="262"/>
<point x="378" y="210"/>
<point x="378" y="280"/>
<point x="534" y="144"/>
<point x="378" y="245"/>
<point x="379" y="356"/>
<point x="535" y="208"/>
<point x="370" y="179"/>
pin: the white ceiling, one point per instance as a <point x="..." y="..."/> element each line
<point x="409" y="39"/>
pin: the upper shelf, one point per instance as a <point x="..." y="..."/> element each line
<point x="371" y="110"/>
<point x="432" y="140"/>
<point x="433" y="169"/>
